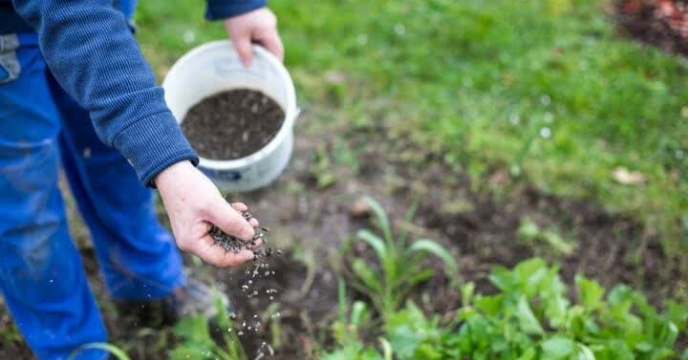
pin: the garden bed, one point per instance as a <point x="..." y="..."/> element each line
<point x="661" y="23"/>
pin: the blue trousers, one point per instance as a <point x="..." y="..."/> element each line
<point x="41" y="274"/>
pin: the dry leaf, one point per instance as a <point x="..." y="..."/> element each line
<point x="623" y="176"/>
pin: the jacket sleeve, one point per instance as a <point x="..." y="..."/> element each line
<point x="221" y="9"/>
<point x="95" y="58"/>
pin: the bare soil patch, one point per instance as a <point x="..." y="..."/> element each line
<point x="661" y="23"/>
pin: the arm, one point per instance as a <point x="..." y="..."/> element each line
<point x="94" y="57"/>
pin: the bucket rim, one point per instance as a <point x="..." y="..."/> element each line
<point x="291" y="112"/>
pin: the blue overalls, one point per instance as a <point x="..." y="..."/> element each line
<point x="41" y="274"/>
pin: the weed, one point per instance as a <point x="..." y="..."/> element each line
<point x="196" y="342"/>
<point x="531" y="233"/>
<point x="530" y="317"/>
<point x="400" y="264"/>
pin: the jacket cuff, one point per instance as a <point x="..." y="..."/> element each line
<point x="222" y="9"/>
<point x="152" y="144"/>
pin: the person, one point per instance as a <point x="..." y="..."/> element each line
<point x="77" y="94"/>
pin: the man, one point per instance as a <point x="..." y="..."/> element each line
<point x="76" y="91"/>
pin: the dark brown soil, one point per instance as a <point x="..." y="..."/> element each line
<point x="478" y="224"/>
<point x="232" y="124"/>
<point x="283" y="293"/>
<point x="662" y="23"/>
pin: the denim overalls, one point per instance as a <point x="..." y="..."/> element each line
<point x="44" y="134"/>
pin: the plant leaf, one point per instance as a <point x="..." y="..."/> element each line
<point x="359" y="313"/>
<point x="556" y="348"/>
<point x="438" y="250"/>
<point x="375" y="242"/>
<point x="112" y="349"/>
<point x="529" y="354"/>
<point x="386" y="349"/>
<point x="585" y="353"/>
<point x="366" y="275"/>
<point x="528" y="229"/>
<point x="381" y="215"/>
<point x="590" y="292"/>
<point x="527" y="320"/>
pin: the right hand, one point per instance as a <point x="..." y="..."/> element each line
<point x="194" y="204"/>
<point x="254" y="27"/>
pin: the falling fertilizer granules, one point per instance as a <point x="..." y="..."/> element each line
<point x="253" y="324"/>
<point x="251" y="287"/>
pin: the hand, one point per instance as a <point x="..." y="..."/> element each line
<point x="258" y="26"/>
<point x="194" y="204"/>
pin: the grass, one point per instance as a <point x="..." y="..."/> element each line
<point x="545" y="89"/>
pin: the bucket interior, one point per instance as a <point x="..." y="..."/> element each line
<point x="207" y="71"/>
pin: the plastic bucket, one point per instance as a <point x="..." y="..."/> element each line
<point x="215" y="67"/>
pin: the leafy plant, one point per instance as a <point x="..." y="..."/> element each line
<point x="530" y="232"/>
<point x="348" y="330"/>
<point x="400" y="264"/>
<point x="196" y="342"/>
<point x="531" y="317"/>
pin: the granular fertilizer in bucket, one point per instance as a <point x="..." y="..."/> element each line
<point x="232" y="124"/>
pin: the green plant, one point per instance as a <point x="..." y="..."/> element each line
<point x="531" y="317"/>
<point x="400" y="265"/>
<point x="530" y="232"/>
<point x="195" y="341"/>
<point x="348" y="329"/>
<point x="110" y="348"/>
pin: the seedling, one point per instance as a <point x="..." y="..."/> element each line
<point x="400" y="266"/>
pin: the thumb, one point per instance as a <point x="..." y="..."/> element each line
<point x="230" y="221"/>
<point x="242" y="44"/>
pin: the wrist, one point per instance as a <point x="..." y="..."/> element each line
<point x="171" y="173"/>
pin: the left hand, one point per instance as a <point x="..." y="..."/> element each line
<point x="194" y="205"/>
<point x="259" y="27"/>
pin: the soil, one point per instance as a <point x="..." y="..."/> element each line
<point x="480" y="227"/>
<point x="232" y="124"/>
<point x="661" y="23"/>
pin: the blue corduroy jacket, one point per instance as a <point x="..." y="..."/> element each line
<point x="93" y="55"/>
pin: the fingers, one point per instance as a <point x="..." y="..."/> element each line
<point x="272" y="42"/>
<point x="242" y="44"/>
<point x="230" y="221"/>
<point x="211" y="255"/>
<point x="241" y="207"/>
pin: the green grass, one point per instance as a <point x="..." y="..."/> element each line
<point x="478" y="81"/>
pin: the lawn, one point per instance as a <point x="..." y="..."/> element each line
<point x="544" y="89"/>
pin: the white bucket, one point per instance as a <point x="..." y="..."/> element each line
<point x="215" y="67"/>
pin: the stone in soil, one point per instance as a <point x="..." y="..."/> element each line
<point x="232" y="124"/>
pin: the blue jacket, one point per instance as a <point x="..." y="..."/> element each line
<point x="93" y="55"/>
